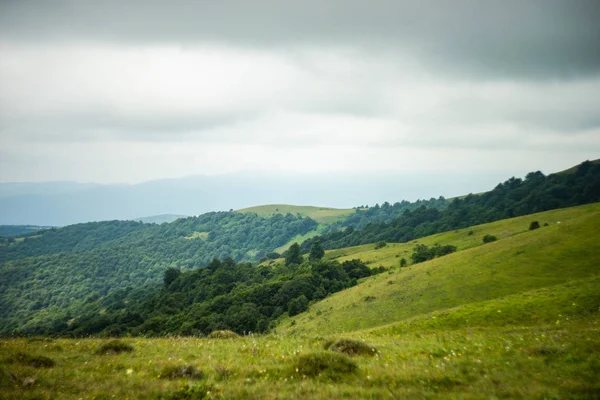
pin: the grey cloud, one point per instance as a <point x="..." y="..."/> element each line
<point x="534" y="39"/>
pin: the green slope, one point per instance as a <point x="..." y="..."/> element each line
<point x="323" y="215"/>
<point x="520" y="261"/>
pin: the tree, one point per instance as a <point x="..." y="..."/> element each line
<point x="316" y="251"/>
<point x="293" y="255"/>
<point x="403" y="262"/>
<point x="170" y="275"/>
<point x="298" y="305"/>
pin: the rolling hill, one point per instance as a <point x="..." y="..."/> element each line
<point x="521" y="261"/>
<point x="323" y="215"/>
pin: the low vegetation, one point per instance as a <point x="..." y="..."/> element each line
<point x="182" y="372"/>
<point x="351" y="347"/>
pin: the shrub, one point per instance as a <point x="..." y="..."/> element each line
<point x="325" y="364"/>
<point x="115" y="347"/>
<point x="489" y="238"/>
<point x="380" y="244"/>
<point x="534" y="225"/>
<point x="182" y="371"/>
<point x="33" y="361"/>
<point x="470" y="233"/>
<point x="351" y="347"/>
<point x="224" y="334"/>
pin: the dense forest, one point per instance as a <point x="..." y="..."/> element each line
<point x="60" y="268"/>
<point x="224" y="295"/>
<point x="385" y="212"/>
<point x="512" y="198"/>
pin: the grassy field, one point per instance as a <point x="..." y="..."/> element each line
<point x="551" y="361"/>
<point x="323" y="215"/>
<point x="516" y="318"/>
<point x="521" y="260"/>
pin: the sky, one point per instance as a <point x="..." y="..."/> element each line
<point x="130" y="91"/>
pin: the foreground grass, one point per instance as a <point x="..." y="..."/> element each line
<point x="550" y="361"/>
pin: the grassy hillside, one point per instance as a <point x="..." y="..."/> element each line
<point x="322" y="215"/>
<point x="521" y="260"/>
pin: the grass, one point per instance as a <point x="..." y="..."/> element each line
<point x="520" y="261"/>
<point x="301" y="238"/>
<point x="543" y="361"/>
<point x="114" y="347"/>
<point x="323" y="215"/>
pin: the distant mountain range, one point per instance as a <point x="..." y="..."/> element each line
<point x="64" y="203"/>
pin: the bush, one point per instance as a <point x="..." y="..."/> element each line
<point x="115" y="347"/>
<point x="351" y="347"/>
<point x="33" y="361"/>
<point x="489" y="238"/>
<point x="380" y="244"/>
<point x="325" y="364"/>
<point x="534" y="225"/>
<point x="182" y="371"/>
<point x="224" y="334"/>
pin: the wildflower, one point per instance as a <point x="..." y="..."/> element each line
<point x="129" y="371"/>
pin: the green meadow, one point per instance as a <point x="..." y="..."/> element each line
<point x="323" y="215"/>
<point x="517" y="318"/>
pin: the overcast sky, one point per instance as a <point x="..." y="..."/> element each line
<point x="129" y="91"/>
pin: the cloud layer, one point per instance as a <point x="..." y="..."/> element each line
<point x="113" y="91"/>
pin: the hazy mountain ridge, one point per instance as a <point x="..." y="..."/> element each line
<point x="60" y="204"/>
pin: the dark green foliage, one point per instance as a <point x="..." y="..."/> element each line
<point x="380" y="244"/>
<point x="386" y="213"/>
<point x="316" y="252"/>
<point x="489" y="238"/>
<point x="515" y="197"/>
<point x="79" y="269"/>
<point x="356" y="269"/>
<point x="403" y="262"/>
<point x="534" y="225"/>
<point x="351" y="347"/>
<point x="170" y="275"/>
<point x="115" y="347"/>
<point x="324" y="364"/>
<point x="225" y="298"/>
<point x="33" y="361"/>
<point x="293" y="255"/>
<point x="182" y="372"/>
<point x="298" y="305"/>
<point x="422" y="252"/>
